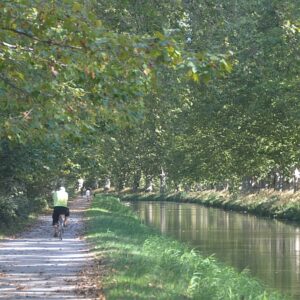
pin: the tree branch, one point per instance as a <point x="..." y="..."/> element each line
<point x="14" y="46"/>
<point x="49" y="42"/>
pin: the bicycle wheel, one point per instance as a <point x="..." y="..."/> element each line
<point x="60" y="227"/>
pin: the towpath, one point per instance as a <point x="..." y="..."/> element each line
<point x="35" y="265"/>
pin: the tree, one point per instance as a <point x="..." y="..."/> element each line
<point x="70" y="82"/>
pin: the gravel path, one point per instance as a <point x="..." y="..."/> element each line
<point x="36" y="265"/>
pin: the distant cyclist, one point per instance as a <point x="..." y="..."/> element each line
<point x="88" y="194"/>
<point x="60" y="203"/>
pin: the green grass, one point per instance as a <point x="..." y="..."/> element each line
<point x="142" y="264"/>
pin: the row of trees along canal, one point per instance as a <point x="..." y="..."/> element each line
<point x="206" y="92"/>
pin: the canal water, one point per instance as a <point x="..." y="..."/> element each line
<point x="270" y="249"/>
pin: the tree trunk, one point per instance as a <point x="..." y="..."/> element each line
<point x="107" y="184"/>
<point x="296" y="180"/>
<point x="163" y="184"/>
<point x="136" y="181"/>
<point x="149" y="185"/>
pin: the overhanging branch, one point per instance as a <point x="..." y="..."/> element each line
<point x="49" y="42"/>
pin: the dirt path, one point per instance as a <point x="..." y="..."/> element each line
<point x="36" y="265"/>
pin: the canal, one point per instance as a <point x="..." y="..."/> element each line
<point x="270" y="249"/>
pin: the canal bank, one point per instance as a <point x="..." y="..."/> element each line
<point x="268" y="203"/>
<point x="142" y="264"/>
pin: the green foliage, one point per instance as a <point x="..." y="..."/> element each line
<point x="7" y="209"/>
<point x="64" y="71"/>
<point x="124" y="90"/>
<point x="72" y="81"/>
<point x="244" y="126"/>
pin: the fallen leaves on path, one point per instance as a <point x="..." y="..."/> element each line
<point x="90" y="285"/>
<point x="20" y="287"/>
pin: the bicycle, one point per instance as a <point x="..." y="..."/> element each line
<point x="60" y="226"/>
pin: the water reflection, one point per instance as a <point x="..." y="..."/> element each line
<point x="270" y="249"/>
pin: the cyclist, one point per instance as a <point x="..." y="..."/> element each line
<point x="88" y="194"/>
<point x="60" y="203"/>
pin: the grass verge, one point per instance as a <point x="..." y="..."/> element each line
<point x="142" y="264"/>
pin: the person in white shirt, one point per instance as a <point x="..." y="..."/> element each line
<point x="88" y="193"/>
